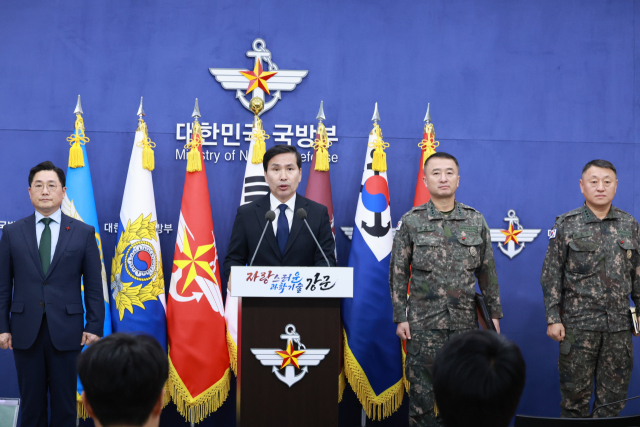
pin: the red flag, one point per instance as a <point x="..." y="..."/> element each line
<point x="199" y="372"/>
<point x="319" y="190"/>
<point x="428" y="146"/>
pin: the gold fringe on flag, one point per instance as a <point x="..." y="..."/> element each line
<point x="342" y="384"/>
<point x="379" y="156"/>
<point x="321" y="144"/>
<point x="148" y="159"/>
<point x="197" y="409"/>
<point x="376" y="406"/>
<point x="406" y="382"/>
<point x="194" y="159"/>
<point x="82" y="412"/>
<point x="259" y="136"/>
<point x="77" y="140"/>
<point x="428" y="145"/>
<point x="233" y="353"/>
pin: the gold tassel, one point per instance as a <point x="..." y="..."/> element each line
<point x="148" y="158"/>
<point x="428" y="144"/>
<point x="259" y="147"/>
<point x="379" y="156"/>
<point x="233" y="353"/>
<point x="321" y="144"/>
<point x="77" y="140"/>
<point x="81" y="410"/>
<point x="194" y="158"/>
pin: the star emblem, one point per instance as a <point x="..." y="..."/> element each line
<point x="290" y="356"/>
<point x="192" y="261"/>
<point x="258" y="78"/>
<point x="511" y="234"/>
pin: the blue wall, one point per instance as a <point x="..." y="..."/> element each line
<point x="524" y="93"/>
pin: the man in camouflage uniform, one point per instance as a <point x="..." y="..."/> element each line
<point x="445" y="245"/>
<point x="591" y="268"/>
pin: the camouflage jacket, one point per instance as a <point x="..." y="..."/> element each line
<point x="445" y="253"/>
<point x="591" y="268"/>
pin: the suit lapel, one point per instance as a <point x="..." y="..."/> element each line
<point x="297" y="223"/>
<point x="29" y="231"/>
<point x="63" y="239"/>
<point x="264" y="205"/>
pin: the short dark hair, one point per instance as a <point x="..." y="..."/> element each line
<point x="123" y="376"/>
<point x="478" y="378"/>
<point x="47" y="166"/>
<point x="280" y="149"/>
<point x="599" y="163"/>
<point x="441" y="155"/>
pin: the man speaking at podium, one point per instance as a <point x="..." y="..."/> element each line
<point x="287" y="241"/>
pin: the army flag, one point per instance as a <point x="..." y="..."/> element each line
<point x="79" y="203"/>
<point x="199" y="374"/>
<point x="372" y="351"/>
<point x="137" y="279"/>
<point x="254" y="186"/>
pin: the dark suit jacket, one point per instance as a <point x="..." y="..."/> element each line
<point x="76" y="255"/>
<point x="301" y="250"/>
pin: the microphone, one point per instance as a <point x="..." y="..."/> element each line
<point x="302" y="214"/>
<point x="269" y="216"/>
<point x="612" y="403"/>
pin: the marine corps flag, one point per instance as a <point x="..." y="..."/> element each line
<point x="372" y="351"/>
<point x="79" y="203"/>
<point x="199" y="371"/>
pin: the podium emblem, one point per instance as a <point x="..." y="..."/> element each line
<point x="512" y="240"/>
<point x="272" y="82"/>
<point x="289" y="359"/>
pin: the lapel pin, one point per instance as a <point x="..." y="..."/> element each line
<point x="68" y="228"/>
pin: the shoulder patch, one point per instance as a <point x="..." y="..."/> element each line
<point x="552" y="233"/>
<point x="399" y="224"/>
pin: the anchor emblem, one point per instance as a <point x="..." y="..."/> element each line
<point x="290" y="359"/>
<point x="258" y="81"/>
<point x="514" y="235"/>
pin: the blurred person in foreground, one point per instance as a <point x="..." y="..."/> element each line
<point x="123" y="378"/>
<point x="478" y="378"/>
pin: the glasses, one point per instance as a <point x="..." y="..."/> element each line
<point x="50" y="186"/>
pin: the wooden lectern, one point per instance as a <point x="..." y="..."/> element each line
<point x="289" y="343"/>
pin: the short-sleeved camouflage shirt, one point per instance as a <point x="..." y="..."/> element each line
<point x="445" y="253"/>
<point x="591" y="268"/>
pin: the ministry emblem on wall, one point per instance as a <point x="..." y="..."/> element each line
<point x="294" y="362"/>
<point x="512" y="240"/>
<point x="271" y="81"/>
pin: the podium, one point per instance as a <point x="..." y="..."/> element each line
<point x="289" y="344"/>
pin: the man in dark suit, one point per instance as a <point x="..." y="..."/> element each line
<point x="287" y="241"/>
<point x="43" y="257"/>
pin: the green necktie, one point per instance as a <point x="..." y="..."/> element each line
<point x="45" y="245"/>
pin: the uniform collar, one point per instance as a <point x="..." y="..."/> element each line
<point x="456" y="213"/>
<point x="589" y="216"/>
<point x="56" y="216"/>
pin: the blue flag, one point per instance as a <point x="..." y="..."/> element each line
<point x="137" y="281"/>
<point x="80" y="204"/>
<point x="372" y="351"/>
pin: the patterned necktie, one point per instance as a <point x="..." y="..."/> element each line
<point x="283" y="229"/>
<point x="45" y="245"/>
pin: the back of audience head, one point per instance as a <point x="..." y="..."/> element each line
<point x="478" y="378"/>
<point x="123" y="377"/>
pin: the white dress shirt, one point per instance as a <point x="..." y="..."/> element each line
<point x="275" y="206"/>
<point x="54" y="225"/>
